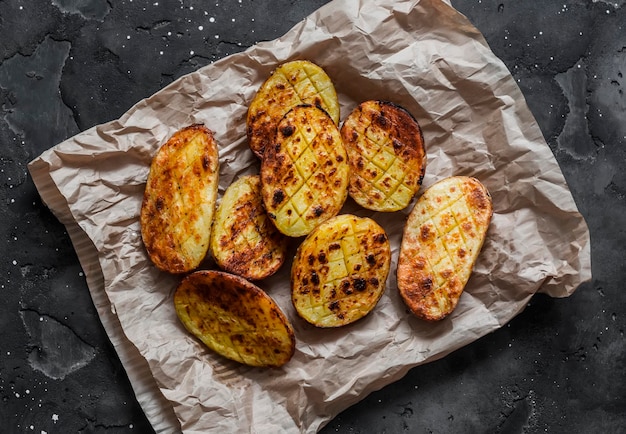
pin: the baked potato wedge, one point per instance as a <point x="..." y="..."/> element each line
<point x="442" y="238"/>
<point x="386" y="152"/>
<point x="340" y="270"/>
<point x="304" y="174"/>
<point x="179" y="200"/>
<point x="290" y="84"/>
<point x="234" y="318"/>
<point x="243" y="239"/>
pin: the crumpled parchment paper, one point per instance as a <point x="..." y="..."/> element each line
<point x="423" y="55"/>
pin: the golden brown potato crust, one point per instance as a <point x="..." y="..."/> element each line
<point x="387" y="158"/>
<point x="441" y="241"/>
<point x="179" y="200"/>
<point x="340" y="271"/>
<point x="244" y="241"/>
<point x="234" y="318"/>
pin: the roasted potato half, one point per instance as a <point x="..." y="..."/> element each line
<point x="340" y="270"/>
<point x="304" y="175"/>
<point x="234" y="318"/>
<point x="442" y="238"/>
<point x="179" y="200"/>
<point x="291" y="84"/>
<point x="243" y="240"/>
<point x="386" y="152"/>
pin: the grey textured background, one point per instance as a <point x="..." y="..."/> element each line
<point x="66" y="65"/>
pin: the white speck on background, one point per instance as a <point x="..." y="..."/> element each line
<point x="55" y="418"/>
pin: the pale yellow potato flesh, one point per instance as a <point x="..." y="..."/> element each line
<point x="304" y="175"/>
<point x="243" y="240"/>
<point x="234" y="318"/>
<point x="179" y="200"/>
<point x="293" y="83"/>
<point x="387" y="157"/>
<point x="442" y="239"/>
<point x="340" y="271"/>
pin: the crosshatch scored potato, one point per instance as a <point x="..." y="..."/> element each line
<point x="386" y="152"/>
<point x="293" y="83"/>
<point x="179" y="200"/>
<point x="340" y="270"/>
<point x="244" y="241"/>
<point x="442" y="238"/>
<point x="304" y="175"/>
<point x="234" y="318"/>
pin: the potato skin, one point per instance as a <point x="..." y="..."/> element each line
<point x="387" y="157"/>
<point x="293" y="83"/>
<point x="304" y="175"/>
<point x="340" y="271"/>
<point x="442" y="238"/>
<point x="234" y="318"/>
<point x="179" y="200"/>
<point x="243" y="239"/>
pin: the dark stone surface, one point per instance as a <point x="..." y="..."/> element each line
<point x="66" y="65"/>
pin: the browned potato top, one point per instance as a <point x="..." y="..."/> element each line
<point x="340" y="271"/>
<point x="293" y="83"/>
<point x="244" y="241"/>
<point x="304" y="175"/>
<point x="442" y="239"/>
<point x="387" y="157"/>
<point x="179" y="200"/>
<point x="234" y="318"/>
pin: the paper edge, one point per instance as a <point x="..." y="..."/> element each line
<point x="158" y="410"/>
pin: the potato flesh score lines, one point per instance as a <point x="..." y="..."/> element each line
<point x="340" y="271"/>
<point x="302" y="89"/>
<point x="305" y="174"/>
<point x="234" y="318"/>
<point x="181" y="189"/>
<point x="380" y="144"/>
<point x="442" y="239"/>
